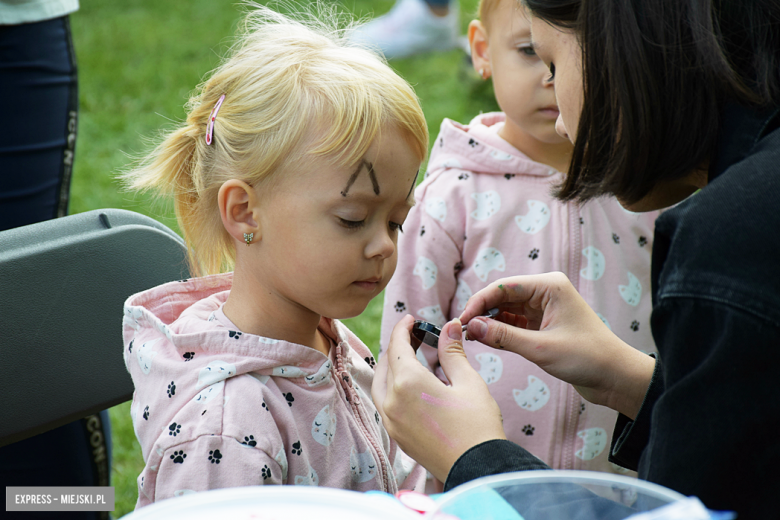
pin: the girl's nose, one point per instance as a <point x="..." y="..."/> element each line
<point x="381" y="245"/>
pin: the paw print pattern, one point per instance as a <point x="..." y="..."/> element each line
<point x="582" y="408"/>
<point x="174" y="429"/>
<point x="178" y="457"/>
<point x="473" y="143"/>
<point x="234" y="334"/>
<point x="371" y="361"/>
<point x="250" y="441"/>
<point x="265" y="406"/>
<point x="463" y="176"/>
<point x="215" y="456"/>
<point x="528" y="429"/>
<point x="581" y="221"/>
<point x="642" y="241"/>
<point x="289" y="398"/>
<point x="534" y="254"/>
<point x="422" y="230"/>
<point x="266" y="472"/>
<point x="635" y="325"/>
<point x="376" y="416"/>
<point x="188" y="356"/>
<point x="400" y="307"/>
<point x="296" y="448"/>
<point x="146" y="413"/>
<point x="171" y="390"/>
<point x="615" y="238"/>
<point x="508" y="176"/>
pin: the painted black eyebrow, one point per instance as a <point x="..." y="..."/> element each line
<point x="370" y="167"/>
<point x="414" y="182"/>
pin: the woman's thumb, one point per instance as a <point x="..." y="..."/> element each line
<point x="452" y="357"/>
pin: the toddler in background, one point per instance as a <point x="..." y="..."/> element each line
<point x="485" y="211"/>
<point x="296" y="165"/>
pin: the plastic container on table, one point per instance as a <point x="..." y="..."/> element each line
<point x="552" y="494"/>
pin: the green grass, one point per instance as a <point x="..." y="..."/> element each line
<point x="138" y="61"/>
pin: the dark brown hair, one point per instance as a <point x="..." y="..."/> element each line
<point x="656" y="74"/>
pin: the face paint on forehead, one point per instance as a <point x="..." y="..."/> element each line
<point x="414" y="182"/>
<point x="370" y="167"/>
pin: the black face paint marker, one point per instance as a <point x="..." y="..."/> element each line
<point x="428" y="333"/>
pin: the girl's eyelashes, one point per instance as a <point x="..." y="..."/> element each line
<point x="356" y="224"/>
<point x="527" y="50"/>
<point x="351" y="224"/>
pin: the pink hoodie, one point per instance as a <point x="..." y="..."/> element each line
<point x="485" y="212"/>
<point x="214" y="407"/>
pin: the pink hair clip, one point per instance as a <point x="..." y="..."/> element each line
<point x="212" y="118"/>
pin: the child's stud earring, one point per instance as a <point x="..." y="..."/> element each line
<point x="248" y="238"/>
<point x="484" y="74"/>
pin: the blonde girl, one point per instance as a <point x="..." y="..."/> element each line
<point x="294" y="168"/>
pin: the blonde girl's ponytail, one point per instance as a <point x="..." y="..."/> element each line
<point x="175" y="169"/>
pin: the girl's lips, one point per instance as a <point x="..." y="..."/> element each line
<point x="549" y="111"/>
<point x="367" y="284"/>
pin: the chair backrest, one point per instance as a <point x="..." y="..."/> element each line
<point x="62" y="286"/>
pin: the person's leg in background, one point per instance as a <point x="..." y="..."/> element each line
<point x="38" y="89"/>
<point x="413" y="27"/>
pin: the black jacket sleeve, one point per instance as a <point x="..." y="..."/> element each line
<point x="630" y="437"/>
<point x="491" y="458"/>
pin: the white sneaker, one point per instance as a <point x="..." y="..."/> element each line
<point x="410" y="28"/>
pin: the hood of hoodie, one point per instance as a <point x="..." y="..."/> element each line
<point x="172" y="324"/>
<point x="477" y="147"/>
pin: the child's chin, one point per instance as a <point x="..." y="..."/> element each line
<point x="345" y="314"/>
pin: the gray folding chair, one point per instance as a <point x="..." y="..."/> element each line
<point x="62" y="286"/>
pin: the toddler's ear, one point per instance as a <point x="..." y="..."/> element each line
<point x="480" y="55"/>
<point x="238" y="207"/>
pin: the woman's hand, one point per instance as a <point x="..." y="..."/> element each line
<point x="544" y="319"/>
<point x="432" y="422"/>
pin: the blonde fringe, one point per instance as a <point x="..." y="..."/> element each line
<point x="293" y="88"/>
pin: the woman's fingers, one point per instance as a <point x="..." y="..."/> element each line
<point x="523" y="296"/>
<point x="452" y="357"/>
<point x="506" y="336"/>
<point x="383" y="377"/>
<point x="488" y="298"/>
<point x="545" y="320"/>
<point x="432" y="422"/>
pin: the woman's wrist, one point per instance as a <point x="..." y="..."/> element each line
<point x="632" y="379"/>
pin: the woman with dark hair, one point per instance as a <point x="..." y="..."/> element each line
<point x="661" y="98"/>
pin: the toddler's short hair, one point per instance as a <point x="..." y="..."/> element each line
<point x="294" y="88"/>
